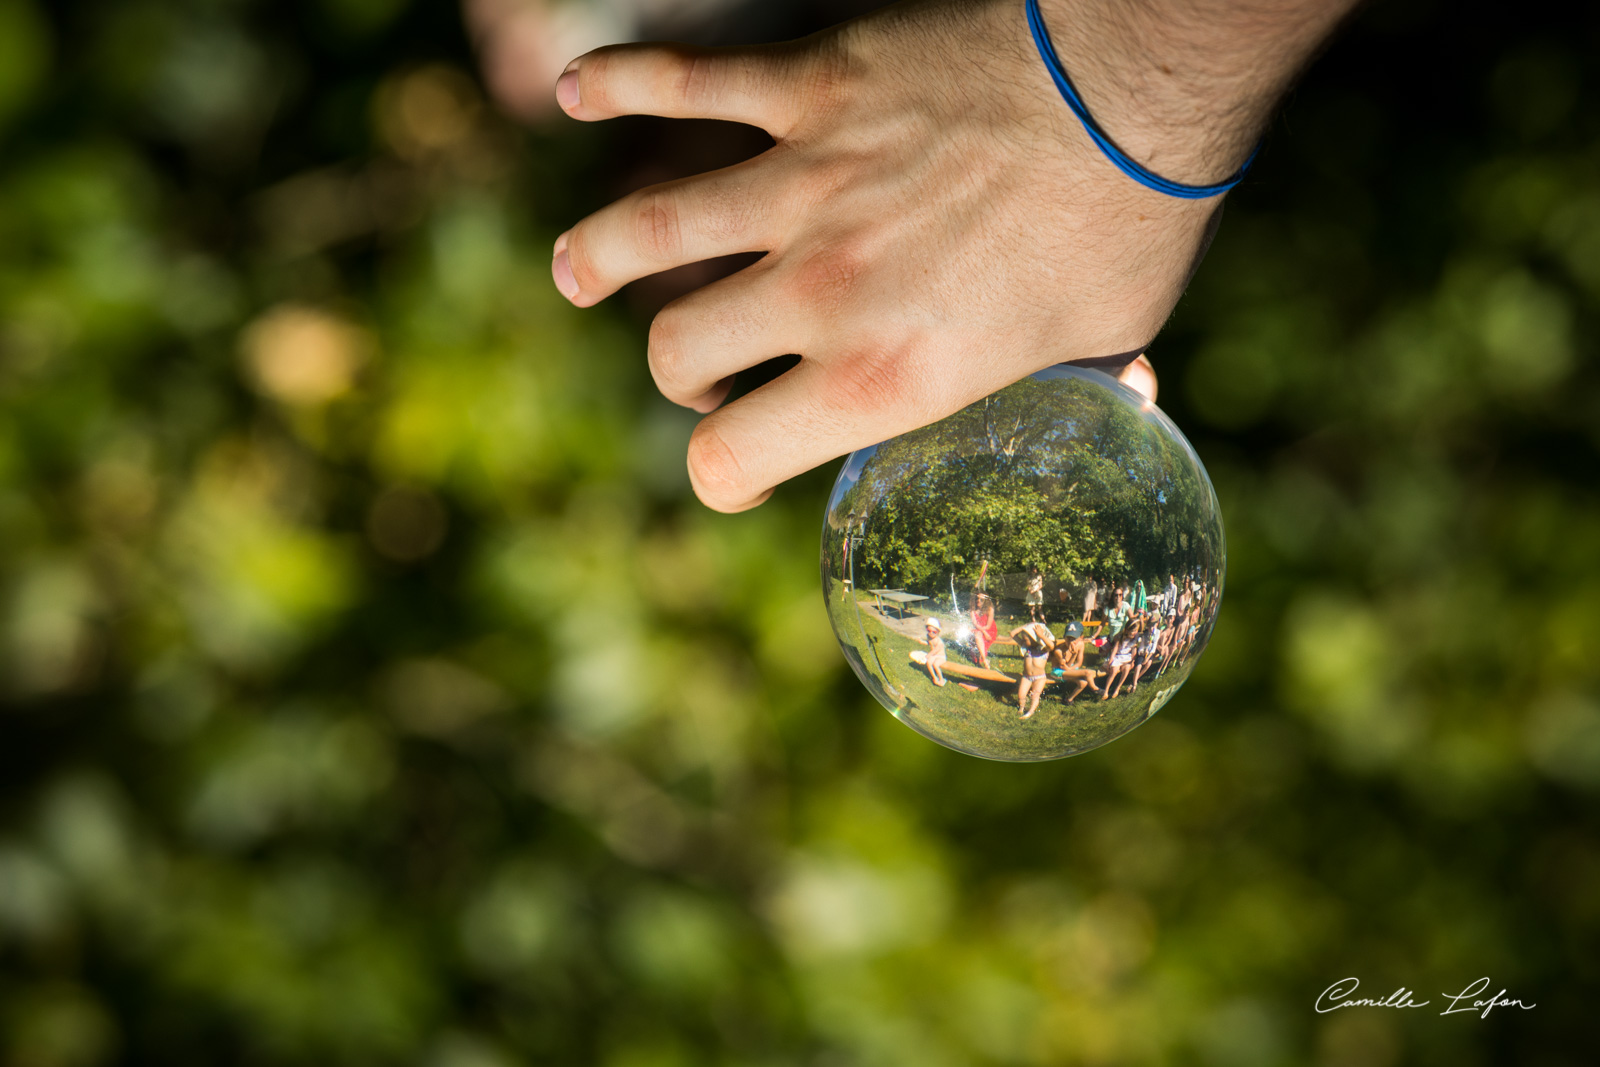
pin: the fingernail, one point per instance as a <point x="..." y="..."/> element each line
<point x="561" y="244"/>
<point x="561" y="270"/>
<point x="567" y="90"/>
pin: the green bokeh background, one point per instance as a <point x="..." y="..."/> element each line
<point x="375" y="691"/>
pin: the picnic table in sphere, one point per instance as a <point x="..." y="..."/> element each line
<point x="901" y="599"/>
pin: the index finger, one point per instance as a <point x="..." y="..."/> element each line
<point x="806" y="416"/>
<point x="753" y="85"/>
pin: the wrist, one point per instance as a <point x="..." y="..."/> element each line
<point x="1185" y="87"/>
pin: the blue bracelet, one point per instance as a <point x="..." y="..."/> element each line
<point x="1143" y="176"/>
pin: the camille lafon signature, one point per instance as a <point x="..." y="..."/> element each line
<point x="1341" y="994"/>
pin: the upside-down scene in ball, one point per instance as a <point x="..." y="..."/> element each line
<point x="1031" y="577"/>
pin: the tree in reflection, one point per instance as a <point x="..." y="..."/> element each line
<point x="1061" y="472"/>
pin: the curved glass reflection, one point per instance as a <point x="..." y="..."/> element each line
<point x="1031" y="577"/>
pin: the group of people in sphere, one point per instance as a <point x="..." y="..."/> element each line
<point x="1142" y="635"/>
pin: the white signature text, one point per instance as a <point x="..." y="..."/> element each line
<point x="1341" y="994"/>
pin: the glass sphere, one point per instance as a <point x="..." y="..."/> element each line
<point x="1031" y="577"/>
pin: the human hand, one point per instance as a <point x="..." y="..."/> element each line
<point x="935" y="222"/>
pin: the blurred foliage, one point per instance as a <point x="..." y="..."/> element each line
<point x="375" y="691"/>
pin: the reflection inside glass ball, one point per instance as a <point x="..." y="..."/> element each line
<point x="1031" y="577"/>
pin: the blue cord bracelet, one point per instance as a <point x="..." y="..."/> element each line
<point x="1142" y="175"/>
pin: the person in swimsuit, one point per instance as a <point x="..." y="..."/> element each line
<point x="1144" y="650"/>
<point x="1187" y="626"/>
<point x="1157" y="647"/>
<point x="1171" y="644"/>
<point x="1036" y="643"/>
<point x="1191" y="630"/>
<point x="936" y="652"/>
<point x="1119" y="660"/>
<point x="1066" y="661"/>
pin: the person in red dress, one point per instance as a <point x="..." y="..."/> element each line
<point x="984" y="627"/>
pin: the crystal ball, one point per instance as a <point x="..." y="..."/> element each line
<point x="1031" y="577"/>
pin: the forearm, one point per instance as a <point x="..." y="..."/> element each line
<point x="1186" y="87"/>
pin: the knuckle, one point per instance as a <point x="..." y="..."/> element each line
<point x="657" y="226"/>
<point x="719" y="477"/>
<point x="822" y="181"/>
<point x="696" y="80"/>
<point x="581" y="259"/>
<point x="872" y="378"/>
<point x="594" y="79"/>
<point x="666" y="355"/>
<point x="825" y="91"/>
<point x="825" y="280"/>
